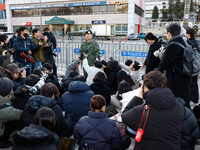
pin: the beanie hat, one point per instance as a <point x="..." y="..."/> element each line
<point x="6" y="86"/>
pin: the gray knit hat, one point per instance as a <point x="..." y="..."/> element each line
<point x="6" y="86"/>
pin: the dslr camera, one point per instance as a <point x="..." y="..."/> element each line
<point x="33" y="90"/>
<point x="159" y="53"/>
<point x="24" y="68"/>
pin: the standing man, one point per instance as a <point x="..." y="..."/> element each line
<point x="39" y="54"/>
<point x="190" y="32"/>
<point x="172" y="61"/>
<point x="89" y="47"/>
<point x="23" y="43"/>
<point x="53" y="40"/>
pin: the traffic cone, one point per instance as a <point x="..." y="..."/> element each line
<point x="126" y="39"/>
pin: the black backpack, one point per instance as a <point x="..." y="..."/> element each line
<point x="191" y="60"/>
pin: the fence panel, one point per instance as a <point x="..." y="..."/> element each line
<point x="119" y="51"/>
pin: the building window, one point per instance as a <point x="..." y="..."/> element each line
<point x="29" y="12"/>
<point x="95" y="10"/>
<point x="139" y="11"/>
<point x="81" y="10"/>
<point x="60" y="11"/>
<point x="110" y="9"/>
<point x="16" y="13"/>
<point x="36" y="12"/>
<point x="45" y="12"/>
<point x="118" y="9"/>
<point x="24" y="12"/>
<point x="102" y="9"/>
<point x="121" y="28"/>
<point x="67" y="11"/>
<point x="125" y="8"/>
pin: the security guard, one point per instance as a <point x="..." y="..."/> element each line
<point x="91" y="47"/>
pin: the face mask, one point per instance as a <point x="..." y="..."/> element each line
<point x="25" y="34"/>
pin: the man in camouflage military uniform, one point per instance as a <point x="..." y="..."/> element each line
<point x="91" y="47"/>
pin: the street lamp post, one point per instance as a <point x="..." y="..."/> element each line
<point x="40" y="17"/>
<point x="186" y="13"/>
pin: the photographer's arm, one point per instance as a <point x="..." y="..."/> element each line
<point x="127" y="68"/>
<point x="86" y="66"/>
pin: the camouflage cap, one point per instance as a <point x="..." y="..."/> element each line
<point x="88" y="32"/>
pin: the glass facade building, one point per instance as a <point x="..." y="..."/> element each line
<point x="2" y="12"/>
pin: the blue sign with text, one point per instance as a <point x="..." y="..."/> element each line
<point x="134" y="54"/>
<point x="87" y="3"/>
<point x="22" y="7"/>
<point x="58" y="50"/>
<point x="77" y="50"/>
<point x="99" y="22"/>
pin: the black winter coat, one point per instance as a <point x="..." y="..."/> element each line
<point x="11" y="41"/>
<point x="99" y="132"/>
<point x="152" y="62"/>
<point x="99" y="87"/>
<point x="34" y="137"/>
<point x="53" y="40"/>
<point x="112" y="77"/>
<point x="194" y="42"/>
<point x="20" y="101"/>
<point x="49" y="53"/>
<point x="37" y="102"/>
<point x="23" y="45"/>
<point x="178" y="83"/>
<point x="164" y="124"/>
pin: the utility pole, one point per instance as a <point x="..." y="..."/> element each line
<point x="186" y="13"/>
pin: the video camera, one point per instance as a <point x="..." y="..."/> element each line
<point x="24" y="68"/>
<point x="33" y="90"/>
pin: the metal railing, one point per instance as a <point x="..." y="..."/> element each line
<point x="115" y="50"/>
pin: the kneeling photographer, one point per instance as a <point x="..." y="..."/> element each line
<point x="19" y="74"/>
<point x="32" y="87"/>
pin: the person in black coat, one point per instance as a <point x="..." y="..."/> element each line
<point x="172" y="59"/>
<point x="53" y="40"/>
<point x="111" y="70"/>
<point x="40" y="135"/>
<point x="97" y="132"/>
<point x="11" y="41"/>
<point x="151" y="62"/>
<point x="165" y="127"/>
<point x="76" y="101"/>
<point x="52" y="37"/>
<point x="48" y="92"/>
<point x="99" y="86"/>
<point x="20" y="101"/>
<point x="194" y="86"/>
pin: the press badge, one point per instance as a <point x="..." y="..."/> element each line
<point x="139" y="135"/>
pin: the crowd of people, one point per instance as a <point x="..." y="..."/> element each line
<point x="102" y="109"/>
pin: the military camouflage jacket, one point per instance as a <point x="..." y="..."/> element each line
<point x="92" y="48"/>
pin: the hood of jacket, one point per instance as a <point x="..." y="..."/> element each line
<point x="4" y="100"/>
<point x="160" y="98"/>
<point x="67" y="81"/>
<point x="34" y="136"/>
<point x="99" y="83"/>
<point x="36" y="102"/>
<point x="78" y="86"/>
